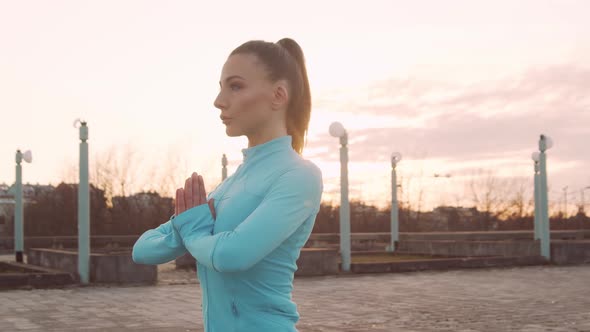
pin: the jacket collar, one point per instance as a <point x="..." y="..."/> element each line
<point x="264" y="149"/>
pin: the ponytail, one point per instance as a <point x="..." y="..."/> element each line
<point x="284" y="60"/>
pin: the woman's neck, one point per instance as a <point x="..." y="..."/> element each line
<point x="261" y="137"/>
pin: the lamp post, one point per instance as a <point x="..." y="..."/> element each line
<point x="437" y="175"/>
<point x="565" y="201"/>
<point x="19" y="211"/>
<point x="223" y="167"/>
<point x="396" y="157"/>
<point x="582" y="209"/>
<point x="545" y="143"/>
<point x="537" y="220"/>
<point x="83" y="206"/>
<point x="337" y="130"/>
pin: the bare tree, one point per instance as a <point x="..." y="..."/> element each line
<point x="488" y="193"/>
<point x="69" y="172"/>
<point x="518" y="205"/>
<point x="116" y="171"/>
<point x="125" y="166"/>
<point x="405" y="202"/>
<point x="171" y="172"/>
<point x="101" y="174"/>
<point x="420" y="200"/>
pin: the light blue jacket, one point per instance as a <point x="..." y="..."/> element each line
<point x="246" y="258"/>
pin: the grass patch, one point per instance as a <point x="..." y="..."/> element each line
<point x="7" y="268"/>
<point x="388" y="258"/>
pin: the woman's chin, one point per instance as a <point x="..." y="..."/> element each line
<point x="231" y="132"/>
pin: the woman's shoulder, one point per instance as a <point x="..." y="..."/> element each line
<point x="304" y="174"/>
<point x="292" y="170"/>
<point x="304" y="167"/>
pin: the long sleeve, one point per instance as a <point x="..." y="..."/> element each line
<point x="291" y="200"/>
<point x="158" y="246"/>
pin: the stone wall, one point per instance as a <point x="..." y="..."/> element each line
<point x="58" y="242"/>
<point x="471" y="248"/>
<point x="570" y="252"/>
<point x="115" y="267"/>
<point x="360" y="241"/>
<point x="311" y="262"/>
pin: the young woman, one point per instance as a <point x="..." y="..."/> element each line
<point x="247" y="234"/>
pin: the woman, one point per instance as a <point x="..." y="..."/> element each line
<point x="247" y="234"/>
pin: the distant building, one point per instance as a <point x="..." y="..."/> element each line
<point x="461" y="212"/>
<point x="7" y="203"/>
<point x="6" y="209"/>
<point x="448" y="218"/>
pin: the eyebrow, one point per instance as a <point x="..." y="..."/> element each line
<point x="231" y="77"/>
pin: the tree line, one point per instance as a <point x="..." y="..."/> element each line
<point x="54" y="212"/>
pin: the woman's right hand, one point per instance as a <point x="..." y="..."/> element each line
<point x="193" y="194"/>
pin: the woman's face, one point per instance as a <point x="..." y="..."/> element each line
<point x="245" y="96"/>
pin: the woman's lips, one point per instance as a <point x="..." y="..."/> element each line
<point x="225" y="119"/>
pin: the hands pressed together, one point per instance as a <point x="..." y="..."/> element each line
<point x="193" y="194"/>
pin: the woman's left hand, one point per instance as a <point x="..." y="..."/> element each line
<point x="193" y="194"/>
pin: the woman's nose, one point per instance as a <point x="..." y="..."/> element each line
<point x="219" y="102"/>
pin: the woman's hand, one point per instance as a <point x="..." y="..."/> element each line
<point x="193" y="194"/>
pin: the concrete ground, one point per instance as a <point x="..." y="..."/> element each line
<point x="539" y="298"/>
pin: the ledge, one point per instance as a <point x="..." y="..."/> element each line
<point x="19" y="275"/>
<point x="446" y="264"/>
<point x="106" y="266"/>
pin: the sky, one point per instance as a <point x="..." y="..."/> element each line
<point x="459" y="88"/>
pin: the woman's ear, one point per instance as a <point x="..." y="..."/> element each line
<point x="280" y="96"/>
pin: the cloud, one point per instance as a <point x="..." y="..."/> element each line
<point x="484" y="120"/>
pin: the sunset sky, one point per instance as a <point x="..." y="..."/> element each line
<point x="458" y="87"/>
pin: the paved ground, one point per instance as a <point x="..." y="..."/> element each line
<point x="543" y="298"/>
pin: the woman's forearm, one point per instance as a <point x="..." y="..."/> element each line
<point x="158" y="246"/>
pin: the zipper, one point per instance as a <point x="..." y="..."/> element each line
<point x="207" y="310"/>
<point x="230" y="180"/>
<point x="227" y="185"/>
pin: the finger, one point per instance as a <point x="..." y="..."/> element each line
<point x="202" y="189"/>
<point x="188" y="192"/>
<point x="181" y="201"/>
<point x="176" y="202"/>
<point x="196" y="189"/>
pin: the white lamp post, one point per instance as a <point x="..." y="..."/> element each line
<point x="537" y="220"/>
<point x="545" y="143"/>
<point x="337" y="130"/>
<point x="19" y="211"/>
<point x="83" y="206"/>
<point x="396" y="157"/>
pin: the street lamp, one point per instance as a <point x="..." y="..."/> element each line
<point x="396" y="157"/>
<point x="545" y="143"/>
<point x="537" y="220"/>
<point x="582" y="198"/>
<point x="19" y="211"/>
<point x="223" y="167"/>
<point x="437" y="175"/>
<point x="83" y="206"/>
<point x="337" y="130"/>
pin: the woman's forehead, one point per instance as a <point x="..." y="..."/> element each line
<point x="246" y="66"/>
